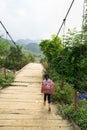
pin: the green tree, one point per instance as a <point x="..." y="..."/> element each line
<point x="3" y="52"/>
<point x="14" y="57"/>
<point x="51" y="49"/>
<point x="77" y="56"/>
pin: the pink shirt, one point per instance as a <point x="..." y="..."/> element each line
<point x="45" y="89"/>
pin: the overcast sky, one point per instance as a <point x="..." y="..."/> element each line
<point x="38" y="19"/>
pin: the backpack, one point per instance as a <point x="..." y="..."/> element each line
<point x="47" y="85"/>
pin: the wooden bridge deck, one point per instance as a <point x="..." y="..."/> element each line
<point x="21" y="105"/>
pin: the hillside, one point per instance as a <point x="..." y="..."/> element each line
<point x="26" y="41"/>
<point x="31" y="45"/>
<point x="34" y="47"/>
<point x="5" y="40"/>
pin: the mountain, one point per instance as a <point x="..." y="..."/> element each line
<point x="31" y="45"/>
<point x="6" y="40"/>
<point x="34" y="47"/>
<point x="27" y="41"/>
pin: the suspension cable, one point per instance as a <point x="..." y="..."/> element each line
<point x="7" y="32"/>
<point x="83" y="12"/>
<point x="82" y="32"/>
<point x="64" y="19"/>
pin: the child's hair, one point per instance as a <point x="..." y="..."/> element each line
<point x="46" y="76"/>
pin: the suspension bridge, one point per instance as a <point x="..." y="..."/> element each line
<point x="21" y="104"/>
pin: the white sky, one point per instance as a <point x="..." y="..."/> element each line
<point x="38" y="19"/>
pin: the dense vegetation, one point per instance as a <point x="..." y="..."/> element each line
<point x="66" y="61"/>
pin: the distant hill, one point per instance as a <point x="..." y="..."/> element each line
<point x="34" y="47"/>
<point x="27" y="44"/>
<point x="26" y="41"/>
<point x="31" y="45"/>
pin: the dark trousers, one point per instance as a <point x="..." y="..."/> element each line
<point x="48" y="97"/>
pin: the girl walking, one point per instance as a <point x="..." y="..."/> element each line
<point x="47" y="89"/>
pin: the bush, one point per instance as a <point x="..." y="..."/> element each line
<point x="6" y="81"/>
<point x="63" y="94"/>
<point x="79" y="116"/>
